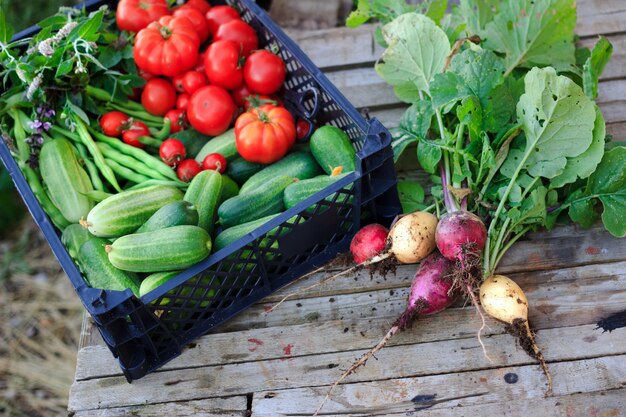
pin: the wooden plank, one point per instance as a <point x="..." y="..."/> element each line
<point x="486" y="388"/>
<point x="562" y="344"/>
<point x="214" y="407"/>
<point x="600" y="17"/>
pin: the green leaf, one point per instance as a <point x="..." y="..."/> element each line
<point x="428" y="155"/>
<point x="584" y="164"/>
<point x="6" y="29"/>
<point x="87" y="30"/>
<point x="417" y="51"/>
<point x="583" y="213"/>
<point x="437" y="10"/>
<point x="73" y="108"/>
<point x="109" y="57"/>
<point x="382" y="10"/>
<point x="614" y="214"/>
<point x="557" y="119"/>
<point x="610" y="175"/>
<point x="64" y="68"/>
<point x="401" y="140"/>
<point x="411" y="196"/>
<point x="477" y="13"/>
<point x="193" y="141"/>
<point x="417" y="118"/>
<point x="359" y="16"/>
<point x="56" y="21"/>
<point x="533" y="208"/>
<point x="534" y="33"/>
<point x="594" y="66"/>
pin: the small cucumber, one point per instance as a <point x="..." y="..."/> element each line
<point x="240" y="170"/>
<point x="223" y="144"/>
<point x="153" y="281"/>
<point x="235" y="233"/>
<point x="301" y="190"/>
<point x="66" y="180"/>
<point x="99" y="271"/>
<point x="73" y="237"/>
<point x="125" y="212"/>
<point x="230" y="188"/>
<point x="300" y="165"/>
<point x="176" y="247"/>
<point x="204" y="193"/>
<point x="173" y="214"/>
<point x="332" y="148"/>
<point x="265" y="200"/>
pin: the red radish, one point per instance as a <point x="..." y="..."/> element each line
<point x="172" y="151"/>
<point x="178" y="120"/>
<point x="188" y="169"/>
<point x="214" y="162"/>
<point x="459" y="232"/>
<point x="368" y="241"/>
<point x="432" y="291"/>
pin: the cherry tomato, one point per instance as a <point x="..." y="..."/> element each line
<point x="182" y="101"/>
<point x="196" y="18"/>
<point x="167" y="47"/>
<point x="134" y="15"/>
<point x="219" y="15"/>
<point x="178" y="120"/>
<point x="113" y="123"/>
<point x="222" y="64"/>
<point x="158" y="97"/>
<point x="264" y="72"/>
<point x="201" y="6"/>
<point x="177" y="82"/>
<point x="302" y="129"/>
<point x="136" y="130"/>
<point x="192" y="80"/>
<point x="258" y="100"/>
<point x="188" y="169"/>
<point x="211" y="110"/>
<point x="240" y="93"/>
<point x="265" y="134"/>
<point x="239" y="32"/>
<point x="214" y="162"/>
<point x="172" y="151"/>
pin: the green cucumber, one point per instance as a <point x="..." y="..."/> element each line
<point x="153" y="281"/>
<point x="66" y="180"/>
<point x="99" y="271"/>
<point x="230" y="188"/>
<point x="301" y="190"/>
<point x="176" y="247"/>
<point x="73" y="237"/>
<point x="125" y="212"/>
<point x="332" y="148"/>
<point x="223" y="144"/>
<point x="300" y="165"/>
<point x="265" y="200"/>
<point x="173" y="214"/>
<point x="204" y="192"/>
<point x="240" y="170"/>
<point x="235" y="233"/>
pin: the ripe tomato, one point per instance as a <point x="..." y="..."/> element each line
<point x="188" y="169"/>
<point x="265" y="134"/>
<point x="199" y="63"/>
<point x="134" y="15"/>
<point x="240" y="93"/>
<point x="158" y="97"/>
<point x="258" y="100"/>
<point x="264" y="72"/>
<point x="197" y="19"/>
<point x="145" y="74"/>
<point x="113" y="123"/>
<point x="239" y="32"/>
<point x="302" y="129"/>
<point x="172" y="151"/>
<point x="211" y="110"/>
<point x="136" y="130"/>
<point x="222" y="64"/>
<point x="219" y="15"/>
<point x="214" y="162"/>
<point x="182" y="101"/>
<point x="177" y="82"/>
<point x="178" y="120"/>
<point x="167" y="47"/>
<point x="200" y="5"/>
<point x="192" y="80"/>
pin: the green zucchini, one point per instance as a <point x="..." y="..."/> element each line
<point x="125" y="212"/>
<point x="153" y="281"/>
<point x="230" y="188"/>
<point x="300" y="165"/>
<point x="176" y="247"/>
<point x="301" y="190"/>
<point x="172" y="214"/>
<point x="235" y="233"/>
<point x="73" y="237"/>
<point x="264" y="200"/>
<point x="240" y="170"/>
<point x="332" y="148"/>
<point x="223" y="144"/>
<point x="66" y="180"/>
<point x="99" y="271"/>
<point x="204" y="192"/>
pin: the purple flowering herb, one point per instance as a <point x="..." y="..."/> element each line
<point x="49" y="113"/>
<point x="46" y="126"/>
<point x="35" y="124"/>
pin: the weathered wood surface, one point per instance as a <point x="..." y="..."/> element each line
<point x="281" y="364"/>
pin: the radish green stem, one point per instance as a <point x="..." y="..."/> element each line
<point x="506" y="248"/>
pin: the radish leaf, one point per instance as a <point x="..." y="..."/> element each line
<point x="594" y="66"/>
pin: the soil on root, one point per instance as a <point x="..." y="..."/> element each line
<point x="383" y="268"/>
<point x="526" y="341"/>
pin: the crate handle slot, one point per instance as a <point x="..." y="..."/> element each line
<point x="377" y="138"/>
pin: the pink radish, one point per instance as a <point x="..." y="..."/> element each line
<point x="460" y="232"/>
<point x="368" y="242"/>
<point x="431" y="292"/>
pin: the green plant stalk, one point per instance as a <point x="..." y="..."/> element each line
<point x="456" y="157"/>
<point x="142" y="115"/>
<point x="103" y="95"/>
<point x="446" y="161"/>
<point x="506" y="248"/>
<point x="98" y="158"/>
<point x="129" y="162"/>
<point x="503" y="232"/>
<point x="91" y="167"/>
<point x="126" y="173"/>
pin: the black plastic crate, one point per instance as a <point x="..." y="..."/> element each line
<point x="145" y="333"/>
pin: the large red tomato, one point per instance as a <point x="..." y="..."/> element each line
<point x="158" y="96"/>
<point x="219" y="15"/>
<point x="167" y="47"/>
<point x="196" y="18"/>
<point x="211" y="110"/>
<point x="264" y="72"/>
<point x="240" y="32"/>
<point x="134" y="15"/>
<point x="200" y="5"/>
<point x="222" y="64"/>
<point x="265" y="134"/>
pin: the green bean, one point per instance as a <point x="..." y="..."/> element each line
<point x="129" y="162"/>
<point x="142" y="115"/>
<point x="139" y="154"/>
<point x="179" y="184"/>
<point x="126" y="173"/>
<point x="23" y="149"/>
<point x="97" y="195"/>
<point x="64" y="132"/>
<point x="162" y="134"/>
<point x="103" y="95"/>
<point x="98" y="159"/>
<point x="148" y="141"/>
<point x="91" y="167"/>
